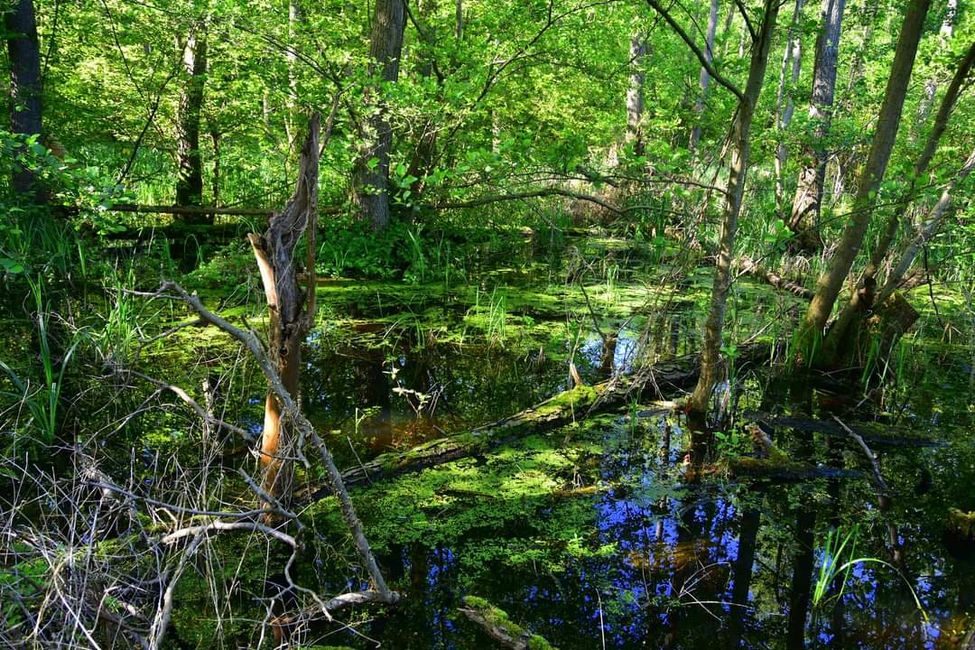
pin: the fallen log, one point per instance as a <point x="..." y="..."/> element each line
<point x="654" y="382"/>
<point x="788" y="471"/>
<point x="832" y="429"/>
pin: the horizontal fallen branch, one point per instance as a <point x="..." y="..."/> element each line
<point x="208" y="209"/>
<point x="755" y="269"/>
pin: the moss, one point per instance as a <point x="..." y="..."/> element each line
<point x="494" y="616"/>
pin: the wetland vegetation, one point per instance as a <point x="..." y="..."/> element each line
<point x="521" y="324"/>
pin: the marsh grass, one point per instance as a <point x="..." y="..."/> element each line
<point x="42" y="398"/>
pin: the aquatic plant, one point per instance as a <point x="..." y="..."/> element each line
<point x="835" y="571"/>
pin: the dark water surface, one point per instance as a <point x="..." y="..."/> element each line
<point x="624" y="532"/>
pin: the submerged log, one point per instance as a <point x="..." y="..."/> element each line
<point x="783" y="470"/>
<point x="499" y="627"/>
<point x="832" y="429"/>
<point x="654" y="382"/>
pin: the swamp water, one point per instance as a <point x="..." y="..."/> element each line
<point x="625" y="529"/>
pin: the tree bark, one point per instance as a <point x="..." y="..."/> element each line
<point x="945" y="110"/>
<point x="785" y="106"/>
<point x="371" y="174"/>
<point x="856" y="307"/>
<point x="25" y="88"/>
<point x="806" y="204"/>
<point x="931" y="85"/>
<point x="291" y="311"/>
<point x="634" y="94"/>
<point x="705" y="77"/>
<point x="711" y="365"/>
<point x="189" y="179"/>
<point x="831" y="281"/>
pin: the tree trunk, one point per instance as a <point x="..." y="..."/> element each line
<point x="371" y="174"/>
<point x="784" y="106"/>
<point x="809" y="189"/>
<point x="855" y="308"/>
<point x="292" y="312"/>
<point x="705" y="77"/>
<point x="634" y="94"/>
<point x="711" y="366"/>
<point x="924" y="160"/>
<point x="291" y="56"/>
<point x="189" y="179"/>
<point x="425" y="151"/>
<point x="25" y="88"/>
<point x="831" y="281"/>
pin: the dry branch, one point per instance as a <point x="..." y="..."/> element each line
<point x="305" y="429"/>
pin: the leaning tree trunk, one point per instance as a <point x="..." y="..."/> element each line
<point x="370" y="180"/>
<point x="945" y="110"/>
<point x="189" y="179"/>
<point x="809" y="189"/>
<point x="291" y="310"/>
<point x="861" y="301"/>
<point x="831" y="281"/>
<point x="931" y="85"/>
<point x="711" y="366"/>
<point x="25" y="88"/>
<point x="784" y="105"/>
<point x="705" y="76"/>
<point x="927" y="230"/>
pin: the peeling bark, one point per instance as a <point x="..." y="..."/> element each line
<point x="291" y="310"/>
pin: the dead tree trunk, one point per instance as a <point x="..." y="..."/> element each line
<point x="831" y="281"/>
<point x="705" y="77"/>
<point x="809" y="189"/>
<point x="25" y="88"/>
<point x="928" y="230"/>
<point x="291" y="310"/>
<point x="371" y="174"/>
<point x="189" y="177"/>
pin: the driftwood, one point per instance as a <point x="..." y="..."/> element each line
<point x="832" y="429"/>
<point x="654" y="382"/>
